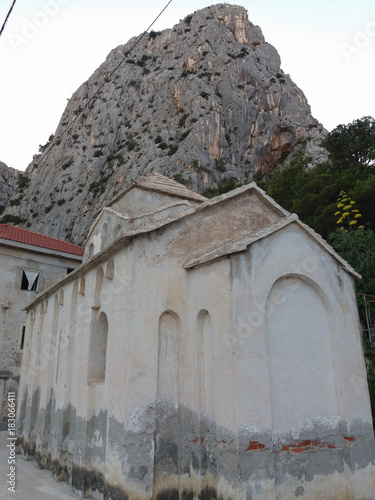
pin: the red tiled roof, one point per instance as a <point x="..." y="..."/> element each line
<point x="13" y="233"/>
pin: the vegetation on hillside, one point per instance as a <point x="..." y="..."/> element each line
<point x="312" y="193"/>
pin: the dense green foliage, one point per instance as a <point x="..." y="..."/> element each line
<point x="352" y="144"/>
<point x="358" y="248"/>
<point x="312" y="192"/>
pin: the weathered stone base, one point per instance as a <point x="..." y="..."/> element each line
<point x="173" y="453"/>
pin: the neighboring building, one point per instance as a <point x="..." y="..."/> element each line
<point x="29" y="264"/>
<point x="204" y="349"/>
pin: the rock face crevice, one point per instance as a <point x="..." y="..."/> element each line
<point x="8" y="183"/>
<point x="203" y="101"/>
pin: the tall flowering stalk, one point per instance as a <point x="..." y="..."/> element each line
<point x="348" y="215"/>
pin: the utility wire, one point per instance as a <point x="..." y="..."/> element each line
<point x="6" y="19"/>
<point x="106" y="80"/>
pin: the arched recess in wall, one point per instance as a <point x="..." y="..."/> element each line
<point x="110" y="269"/>
<point x="299" y="349"/>
<point x="91" y="250"/>
<point x="72" y="329"/>
<point x="98" y="349"/>
<point x="168" y="354"/>
<point x="104" y="236"/>
<point x="117" y="231"/>
<point x="61" y="297"/>
<point x="205" y="350"/>
<point x="98" y="287"/>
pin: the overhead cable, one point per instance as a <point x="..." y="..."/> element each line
<point x="7" y="17"/>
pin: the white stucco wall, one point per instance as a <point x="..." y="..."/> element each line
<point x="237" y="369"/>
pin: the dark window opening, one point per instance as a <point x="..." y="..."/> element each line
<point x="30" y="280"/>
<point x="69" y="270"/>
<point x="22" y="340"/>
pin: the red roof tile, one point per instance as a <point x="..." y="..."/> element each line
<point x="13" y="233"/>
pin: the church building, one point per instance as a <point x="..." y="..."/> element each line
<point x="203" y="349"/>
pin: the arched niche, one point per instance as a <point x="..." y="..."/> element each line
<point x="61" y="297"/>
<point x="91" y="250"/>
<point x="98" y="287"/>
<point x="110" y="269"/>
<point x="98" y="349"/>
<point x="117" y="231"/>
<point x="298" y="319"/>
<point x="104" y="236"/>
<point x="82" y="285"/>
<point x="168" y="354"/>
<point x="205" y="354"/>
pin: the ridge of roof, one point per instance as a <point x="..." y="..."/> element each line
<point x="160" y="182"/>
<point x="19" y="235"/>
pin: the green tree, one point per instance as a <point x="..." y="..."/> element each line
<point x="352" y="144"/>
<point x="358" y="248"/>
<point x="312" y="192"/>
<point x="364" y="193"/>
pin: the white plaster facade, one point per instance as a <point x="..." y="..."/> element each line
<point x="204" y="349"/>
<point x="44" y="267"/>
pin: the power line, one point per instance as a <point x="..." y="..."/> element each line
<point x="6" y="19"/>
<point x="106" y="80"/>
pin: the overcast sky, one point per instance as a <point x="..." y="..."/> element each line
<point x="50" y="47"/>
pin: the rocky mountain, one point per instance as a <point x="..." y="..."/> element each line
<point x="201" y="103"/>
<point x="8" y="183"/>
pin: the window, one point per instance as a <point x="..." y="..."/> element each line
<point x="69" y="270"/>
<point x="21" y="338"/>
<point x="30" y="280"/>
<point x="104" y="236"/>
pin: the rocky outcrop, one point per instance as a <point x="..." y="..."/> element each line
<point x="8" y="183"/>
<point x="201" y="102"/>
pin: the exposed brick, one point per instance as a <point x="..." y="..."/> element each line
<point x="349" y="438"/>
<point x="315" y="442"/>
<point x="297" y="450"/>
<point x="195" y="440"/>
<point x="305" y="443"/>
<point x="285" y="448"/>
<point x="255" y="445"/>
<point x="331" y="446"/>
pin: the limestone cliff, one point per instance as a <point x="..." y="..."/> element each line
<point x="8" y="183"/>
<point x="203" y="101"/>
